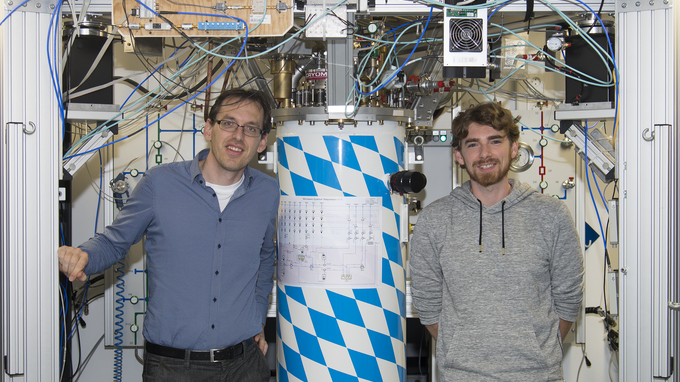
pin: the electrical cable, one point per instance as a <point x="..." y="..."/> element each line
<point x="118" y="332"/>
<point x="52" y="64"/>
<point x="191" y="5"/>
<point x="274" y="48"/>
<point x="142" y="89"/>
<point x="616" y="111"/>
<point x="79" y="351"/>
<point x="597" y="184"/>
<point x="595" y="45"/>
<point x="588" y="40"/>
<point x="611" y="362"/>
<point x="604" y="240"/>
<point x="583" y="350"/>
<point x="95" y="63"/>
<point x="89" y="356"/>
<point x="149" y="76"/>
<point x="497" y="8"/>
<point x="358" y="90"/>
<point x="589" y="188"/>
<point x="149" y="124"/>
<point x="140" y="55"/>
<point x="87" y="282"/>
<point x="12" y="11"/>
<point x="483" y="92"/>
<point x="62" y="336"/>
<point x="181" y="134"/>
<point x="104" y="125"/>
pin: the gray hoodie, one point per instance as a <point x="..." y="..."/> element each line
<point x="497" y="280"/>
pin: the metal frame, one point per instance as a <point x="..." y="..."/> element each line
<point x="648" y="189"/>
<point x="31" y="135"/>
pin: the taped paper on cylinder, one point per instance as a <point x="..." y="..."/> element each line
<point x="330" y="241"/>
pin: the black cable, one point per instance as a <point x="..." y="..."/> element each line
<point x="143" y="60"/>
<point x="93" y="298"/>
<point x="80" y="356"/>
<point x="423" y="339"/>
<point x="599" y="11"/>
<point x="172" y="97"/>
<point x="550" y="60"/>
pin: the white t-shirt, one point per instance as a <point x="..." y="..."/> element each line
<point x="224" y="193"/>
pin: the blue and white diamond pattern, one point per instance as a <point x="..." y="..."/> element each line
<point x="344" y="334"/>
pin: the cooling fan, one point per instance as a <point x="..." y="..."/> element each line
<point x="467" y="35"/>
<point x="466" y="31"/>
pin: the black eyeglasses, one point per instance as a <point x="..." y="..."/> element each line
<point x="231" y="126"/>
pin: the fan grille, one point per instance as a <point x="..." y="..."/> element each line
<point x="466" y="35"/>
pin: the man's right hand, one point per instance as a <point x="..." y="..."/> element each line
<point x="72" y="261"/>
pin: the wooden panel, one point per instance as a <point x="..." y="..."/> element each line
<point x="276" y="23"/>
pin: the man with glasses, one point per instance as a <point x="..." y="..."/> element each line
<point x="496" y="267"/>
<point x="209" y="226"/>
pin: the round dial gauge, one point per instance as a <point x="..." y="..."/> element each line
<point x="372" y="28"/>
<point x="554" y="43"/>
<point x="524" y="158"/>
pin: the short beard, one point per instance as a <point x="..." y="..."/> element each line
<point x="491" y="178"/>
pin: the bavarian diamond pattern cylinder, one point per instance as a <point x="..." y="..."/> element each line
<point x="341" y="279"/>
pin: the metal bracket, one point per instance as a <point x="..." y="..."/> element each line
<point x="674" y="305"/>
<point x="23" y="126"/>
<point x="38" y="6"/>
<point x="641" y="5"/>
<point x="650" y="137"/>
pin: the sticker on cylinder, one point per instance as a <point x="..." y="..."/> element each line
<point x="330" y="241"/>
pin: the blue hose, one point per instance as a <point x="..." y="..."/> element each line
<point x="118" y="357"/>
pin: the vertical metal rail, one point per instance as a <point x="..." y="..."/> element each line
<point x="674" y="261"/>
<point x="581" y="173"/>
<point x="30" y="129"/>
<point x="648" y="145"/>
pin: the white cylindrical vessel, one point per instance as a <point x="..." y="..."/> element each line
<point x="341" y="280"/>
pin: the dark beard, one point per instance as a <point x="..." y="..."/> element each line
<point x="491" y="178"/>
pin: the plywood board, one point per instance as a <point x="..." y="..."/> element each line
<point x="196" y="13"/>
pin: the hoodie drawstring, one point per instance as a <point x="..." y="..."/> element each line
<point x="503" y="225"/>
<point x="480" y="225"/>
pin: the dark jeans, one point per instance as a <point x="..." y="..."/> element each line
<point x="251" y="366"/>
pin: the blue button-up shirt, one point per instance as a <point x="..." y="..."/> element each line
<point x="209" y="271"/>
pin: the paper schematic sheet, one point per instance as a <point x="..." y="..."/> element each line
<point x="329" y="241"/>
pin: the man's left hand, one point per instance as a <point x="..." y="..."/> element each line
<point x="261" y="342"/>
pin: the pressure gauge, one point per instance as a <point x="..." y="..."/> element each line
<point x="372" y="28"/>
<point x="524" y="158"/>
<point x="555" y="43"/>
